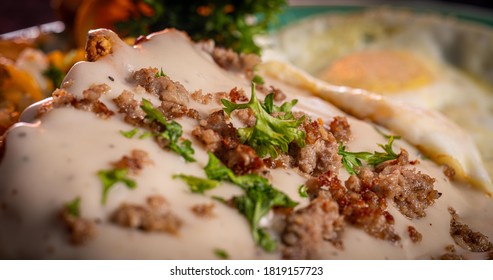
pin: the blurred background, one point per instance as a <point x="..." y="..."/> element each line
<point x="20" y="14"/>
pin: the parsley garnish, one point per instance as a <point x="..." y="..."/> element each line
<point x="129" y="134"/>
<point x="55" y="74"/>
<point x="302" y="191"/>
<point x="258" y="80"/>
<point x="220" y="253"/>
<point x="259" y="198"/>
<point x="228" y="23"/>
<point x="172" y="131"/>
<point x="73" y="207"/>
<point x="350" y="160"/>
<point x="160" y="74"/>
<point x="196" y="184"/>
<point x="146" y="134"/>
<point x="268" y="133"/>
<point x="257" y="201"/>
<point x="285" y="108"/>
<point x="111" y="177"/>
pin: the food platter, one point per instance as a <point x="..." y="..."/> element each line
<point x="266" y="160"/>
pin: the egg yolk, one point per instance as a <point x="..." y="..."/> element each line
<point x="381" y="71"/>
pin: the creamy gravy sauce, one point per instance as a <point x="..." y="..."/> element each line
<point x="50" y="162"/>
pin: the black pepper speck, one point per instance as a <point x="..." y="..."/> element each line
<point x="111" y="78"/>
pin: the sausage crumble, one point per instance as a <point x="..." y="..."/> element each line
<point x="155" y="216"/>
<point x="465" y="237"/>
<point x="81" y="230"/>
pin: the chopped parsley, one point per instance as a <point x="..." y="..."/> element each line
<point x="269" y="133"/>
<point x="259" y="198"/>
<point x="110" y="177"/>
<point x="172" y="132"/>
<point x="258" y="80"/>
<point x="220" y="253"/>
<point x="73" y="207"/>
<point x="231" y="24"/>
<point x="55" y="75"/>
<point x="196" y="184"/>
<point x="129" y="134"/>
<point x="145" y="134"/>
<point x="350" y="160"/>
<point x="160" y="74"/>
<point x="257" y="201"/>
<point x="302" y="191"/>
<point x="215" y="170"/>
<point x="285" y="108"/>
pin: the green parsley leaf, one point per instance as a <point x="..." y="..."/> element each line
<point x="257" y="201"/>
<point x="160" y="74"/>
<point x="285" y="108"/>
<point x="350" y="160"/>
<point x="259" y="198"/>
<point x="269" y="133"/>
<point x="55" y="74"/>
<point x="129" y="134"/>
<point x="172" y="132"/>
<point x="146" y="134"/>
<point x="73" y="207"/>
<point x="302" y="191"/>
<point x="258" y="80"/>
<point x="220" y="253"/>
<point x="388" y="154"/>
<point x="215" y="170"/>
<point x="228" y="23"/>
<point x="152" y="113"/>
<point x="110" y="177"/>
<point x="196" y="184"/>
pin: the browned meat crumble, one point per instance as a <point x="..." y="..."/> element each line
<point x="232" y="61"/>
<point x="133" y="163"/>
<point x="81" y="230"/>
<point x="341" y="129"/>
<point x="361" y="206"/>
<point x="155" y="215"/>
<point x="318" y="156"/>
<point x="130" y="107"/>
<point x="307" y="228"/>
<point x="410" y="190"/>
<point x="201" y="98"/>
<point x="220" y="137"/>
<point x="415" y="235"/>
<point x="465" y="237"/>
<point x="173" y="95"/>
<point x="451" y="254"/>
<point x="448" y="171"/>
<point x="90" y="101"/>
<point x="97" y="46"/>
<point x="205" y="210"/>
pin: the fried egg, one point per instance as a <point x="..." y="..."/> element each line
<point x="427" y="61"/>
